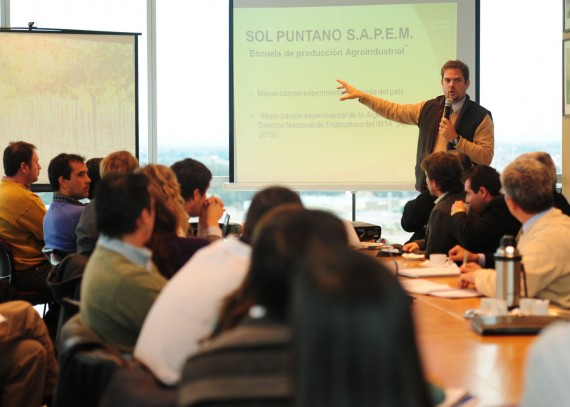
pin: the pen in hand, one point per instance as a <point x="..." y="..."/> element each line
<point x="465" y="258"/>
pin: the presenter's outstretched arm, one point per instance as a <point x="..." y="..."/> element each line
<point x="348" y="91"/>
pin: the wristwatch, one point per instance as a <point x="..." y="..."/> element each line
<point x="455" y="142"/>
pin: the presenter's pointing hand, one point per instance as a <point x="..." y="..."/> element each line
<point x="348" y="91"/>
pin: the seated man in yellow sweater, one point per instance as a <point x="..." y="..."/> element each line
<point x="22" y="215"/>
<point x="121" y="282"/>
<point x="545" y="250"/>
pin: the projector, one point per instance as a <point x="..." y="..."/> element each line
<point x="367" y="232"/>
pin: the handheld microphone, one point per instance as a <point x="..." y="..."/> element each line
<point x="447" y="108"/>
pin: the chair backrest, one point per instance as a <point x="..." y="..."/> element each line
<point x="5" y="261"/>
<point x="86" y="364"/>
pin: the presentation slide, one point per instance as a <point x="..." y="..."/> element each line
<point x="72" y="93"/>
<point x="289" y="125"/>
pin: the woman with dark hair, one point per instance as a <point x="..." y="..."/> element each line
<point x="252" y="346"/>
<point x="354" y="336"/>
<point x="277" y="249"/>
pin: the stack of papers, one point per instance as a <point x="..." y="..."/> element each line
<point x="437" y="290"/>
<point x="424" y="270"/>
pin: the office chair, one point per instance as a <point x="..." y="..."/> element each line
<point x="33" y="297"/>
<point x="86" y="364"/>
<point x="5" y="263"/>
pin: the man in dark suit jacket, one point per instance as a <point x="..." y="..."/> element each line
<point x="443" y="174"/>
<point x="489" y="219"/>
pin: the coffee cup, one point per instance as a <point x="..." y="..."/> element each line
<point x="532" y="306"/>
<point x="493" y="307"/>
<point x="437" y="260"/>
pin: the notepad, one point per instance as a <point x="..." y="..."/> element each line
<point x="426" y="287"/>
<point x="417" y="272"/>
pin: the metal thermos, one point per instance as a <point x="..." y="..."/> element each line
<point x="508" y="267"/>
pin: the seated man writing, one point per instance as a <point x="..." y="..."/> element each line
<point x="545" y="255"/>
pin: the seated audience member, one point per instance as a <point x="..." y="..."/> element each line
<point x="69" y="180"/>
<point x="120" y="282"/>
<point x="186" y="310"/>
<point x="443" y="173"/>
<point x="545" y="253"/>
<point x="171" y="247"/>
<point x="94" y="174"/>
<point x="119" y="162"/>
<point x="547" y="369"/>
<point x="488" y="219"/>
<point x="22" y="217"/>
<point x="416" y="215"/>
<point x="416" y="212"/>
<point x="458" y="254"/>
<point x="28" y="371"/>
<point x="560" y="201"/>
<point x="194" y="178"/>
<point x="354" y="335"/>
<point x="254" y="347"/>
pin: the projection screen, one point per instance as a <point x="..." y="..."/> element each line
<point x="287" y="124"/>
<point x="68" y="91"/>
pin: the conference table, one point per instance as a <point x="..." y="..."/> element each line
<point x="491" y="368"/>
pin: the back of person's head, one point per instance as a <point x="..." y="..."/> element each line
<point x="456" y="64"/>
<point x="353" y="334"/>
<point x="444" y="169"/>
<point x="280" y="242"/>
<point x="464" y="160"/>
<point x="119" y="162"/>
<point x="120" y="201"/>
<point x="94" y="174"/>
<point x="264" y="201"/>
<point x="484" y="176"/>
<point x="166" y="190"/>
<point x="60" y="166"/>
<point x="192" y="175"/>
<point x="546" y="160"/>
<point x="527" y="182"/>
<point x="15" y="154"/>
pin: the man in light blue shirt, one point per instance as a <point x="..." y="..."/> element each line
<point x="120" y="282"/>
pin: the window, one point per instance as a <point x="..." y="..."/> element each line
<point x="520" y="82"/>
<point x="520" y="76"/>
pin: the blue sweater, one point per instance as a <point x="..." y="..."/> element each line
<point x="59" y="226"/>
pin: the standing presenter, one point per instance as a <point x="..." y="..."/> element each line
<point x="468" y="129"/>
